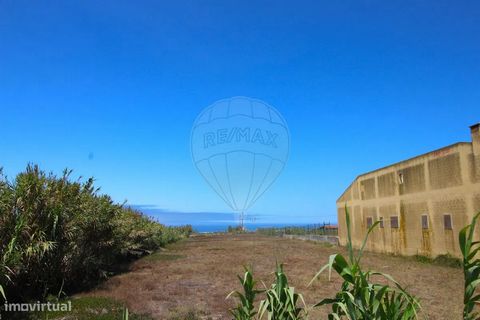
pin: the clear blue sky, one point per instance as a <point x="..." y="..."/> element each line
<point x="111" y="89"/>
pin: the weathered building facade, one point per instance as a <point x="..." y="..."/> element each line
<point x="422" y="203"/>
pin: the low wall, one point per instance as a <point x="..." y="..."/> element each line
<point x="330" y="239"/>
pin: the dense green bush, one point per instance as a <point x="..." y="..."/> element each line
<point x="62" y="235"/>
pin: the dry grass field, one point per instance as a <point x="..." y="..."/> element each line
<point x="198" y="273"/>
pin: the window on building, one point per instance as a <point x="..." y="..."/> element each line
<point x="447" y="221"/>
<point x="400" y="178"/>
<point x="394" y="222"/>
<point x="369" y="222"/>
<point x="381" y="222"/>
<point x="424" y="221"/>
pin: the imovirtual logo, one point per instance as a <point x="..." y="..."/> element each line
<point x="240" y="146"/>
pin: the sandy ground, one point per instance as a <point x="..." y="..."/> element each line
<point x="200" y="272"/>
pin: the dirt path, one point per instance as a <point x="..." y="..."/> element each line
<point x="199" y="273"/>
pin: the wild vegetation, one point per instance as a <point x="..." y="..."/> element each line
<point x="281" y="301"/>
<point x="59" y="236"/>
<point x="359" y="297"/>
<point x="313" y="229"/>
<point x="471" y="269"/>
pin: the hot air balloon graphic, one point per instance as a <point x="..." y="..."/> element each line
<point x="240" y="146"/>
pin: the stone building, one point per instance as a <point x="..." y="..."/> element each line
<point x="422" y="203"/>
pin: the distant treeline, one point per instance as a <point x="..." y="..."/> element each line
<point x="312" y="229"/>
<point x="59" y="235"/>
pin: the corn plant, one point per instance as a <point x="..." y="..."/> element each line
<point x="245" y="310"/>
<point x="361" y="299"/>
<point x="282" y="302"/>
<point x="471" y="269"/>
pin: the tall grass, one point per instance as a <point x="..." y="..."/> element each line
<point x="62" y="235"/>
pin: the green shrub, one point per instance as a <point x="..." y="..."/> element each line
<point x="57" y="234"/>
<point x="137" y="234"/>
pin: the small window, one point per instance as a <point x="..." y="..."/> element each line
<point x="447" y="221"/>
<point x="400" y="178"/>
<point x="424" y="221"/>
<point x="369" y="222"/>
<point x="381" y="222"/>
<point x="394" y="222"/>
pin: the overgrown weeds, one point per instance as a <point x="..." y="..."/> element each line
<point x="360" y="297"/>
<point x="61" y="235"/>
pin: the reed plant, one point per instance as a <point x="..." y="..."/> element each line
<point x="471" y="269"/>
<point x="362" y="298"/>
<point x="61" y="235"/>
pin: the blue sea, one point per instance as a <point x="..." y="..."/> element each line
<point x="220" y="221"/>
